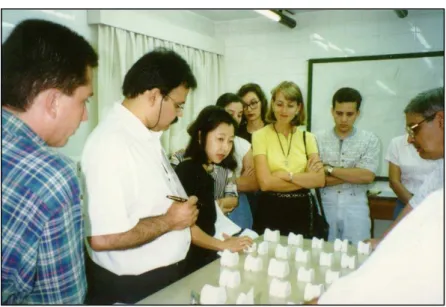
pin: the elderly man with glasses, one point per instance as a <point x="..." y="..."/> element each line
<point x="425" y="129"/>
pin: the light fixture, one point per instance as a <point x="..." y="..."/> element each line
<point x="401" y="13"/>
<point x="277" y="15"/>
<point x="269" y="14"/>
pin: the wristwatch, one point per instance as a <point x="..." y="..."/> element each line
<point x="328" y="169"/>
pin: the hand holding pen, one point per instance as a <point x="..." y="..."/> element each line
<point x="183" y="212"/>
<point x="182" y="200"/>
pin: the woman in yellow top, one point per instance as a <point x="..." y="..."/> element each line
<point x="283" y="170"/>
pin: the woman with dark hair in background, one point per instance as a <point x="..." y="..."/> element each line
<point x="284" y="172"/>
<point x="212" y="135"/>
<point x="254" y="110"/>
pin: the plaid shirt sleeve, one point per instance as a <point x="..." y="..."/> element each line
<point x="42" y="230"/>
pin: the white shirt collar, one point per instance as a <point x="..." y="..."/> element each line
<point x="134" y="125"/>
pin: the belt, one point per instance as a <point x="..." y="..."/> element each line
<point x="296" y="194"/>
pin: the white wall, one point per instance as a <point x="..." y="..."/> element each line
<point x="260" y="50"/>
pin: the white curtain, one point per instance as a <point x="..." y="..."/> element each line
<point x="118" y="49"/>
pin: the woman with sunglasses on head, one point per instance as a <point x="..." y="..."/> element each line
<point x="211" y="142"/>
<point x="284" y="172"/>
<point x="254" y="110"/>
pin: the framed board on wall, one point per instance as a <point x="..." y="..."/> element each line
<point x="386" y="82"/>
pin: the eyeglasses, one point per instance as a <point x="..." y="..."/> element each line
<point x="253" y="105"/>
<point x="411" y="129"/>
<point x="178" y="106"/>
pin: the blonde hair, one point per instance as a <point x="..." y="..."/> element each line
<point x="291" y="92"/>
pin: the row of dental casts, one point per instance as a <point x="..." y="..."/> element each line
<point x="278" y="288"/>
<point x="276" y="268"/>
<point x="297" y="240"/>
<point x="255" y="264"/>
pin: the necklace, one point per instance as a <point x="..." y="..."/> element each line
<point x="289" y="146"/>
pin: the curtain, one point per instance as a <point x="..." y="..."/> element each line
<point x="119" y="49"/>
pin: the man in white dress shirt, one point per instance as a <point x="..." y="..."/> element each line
<point x="136" y="237"/>
<point x="425" y="127"/>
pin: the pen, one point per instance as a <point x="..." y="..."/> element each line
<point x="182" y="200"/>
<point x="177" y="198"/>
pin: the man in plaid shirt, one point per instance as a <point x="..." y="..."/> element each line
<point x="46" y="81"/>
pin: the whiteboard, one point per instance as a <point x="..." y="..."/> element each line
<point x="387" y="83"/>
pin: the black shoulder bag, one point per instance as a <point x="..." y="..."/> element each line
<point x="318" y="223"/>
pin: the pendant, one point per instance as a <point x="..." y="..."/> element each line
<point x="286" y="162"/>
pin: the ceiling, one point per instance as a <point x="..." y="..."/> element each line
<point x="226" y="15"/>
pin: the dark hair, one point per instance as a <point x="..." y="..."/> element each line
<point x="256" y="89"/>
<point x="291" y="92"/>
<point x="208" y="120"/>
<point x="40" y="55"/>
<point x="161" y="68"/>
<point x="427" y="103"/>
<point x="227" y="98"/>
<point x="347" y="94"/>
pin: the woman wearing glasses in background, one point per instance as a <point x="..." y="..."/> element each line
<point x="283" y="171"/>
<point x="255" y="106"/>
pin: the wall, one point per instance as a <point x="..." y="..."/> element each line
<point x="260" y="50"/>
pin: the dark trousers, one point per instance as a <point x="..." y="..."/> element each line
<point x="287" y="212"/>
<point x="106" y="288"/>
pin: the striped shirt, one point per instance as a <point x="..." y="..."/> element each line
<point x="42" y="225"/>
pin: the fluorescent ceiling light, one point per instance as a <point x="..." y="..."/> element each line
<point x="270" y="14"/>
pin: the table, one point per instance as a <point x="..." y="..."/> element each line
<point x="180" y="291"/>
<point x="381" y="208"/>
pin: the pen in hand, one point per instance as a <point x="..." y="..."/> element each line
<point x="182" y="200"/>
<point x="177" y="198"/>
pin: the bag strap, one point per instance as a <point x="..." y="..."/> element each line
<point x="318" y="192"/>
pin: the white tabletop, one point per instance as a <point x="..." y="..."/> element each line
<point x="180" y="291"/>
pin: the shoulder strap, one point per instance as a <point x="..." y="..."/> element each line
<point x="318" y="192"/>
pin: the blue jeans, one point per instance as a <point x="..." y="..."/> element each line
<point x="242" y="215"/>
<point x="399" y="207"/>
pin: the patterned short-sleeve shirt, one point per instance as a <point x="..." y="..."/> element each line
<point x="42" y="225"/>
<point x="359" y="150"/>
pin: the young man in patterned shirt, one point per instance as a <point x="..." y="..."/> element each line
<point x="46" y="82"/>
<point x="351" y="159"/>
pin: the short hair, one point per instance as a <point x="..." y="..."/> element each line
<point x="208" y="120"/>
<point x="427" y="103"/>
<point x="291" y="92"/>
<point x="227" y="98"/>
<point x="347" y="94"/>
<point x="161" y="68"/>
<point x="256" y="89"/>
<point x="40" y="55"/>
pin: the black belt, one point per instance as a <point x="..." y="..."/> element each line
<point x="295" y="194"/>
